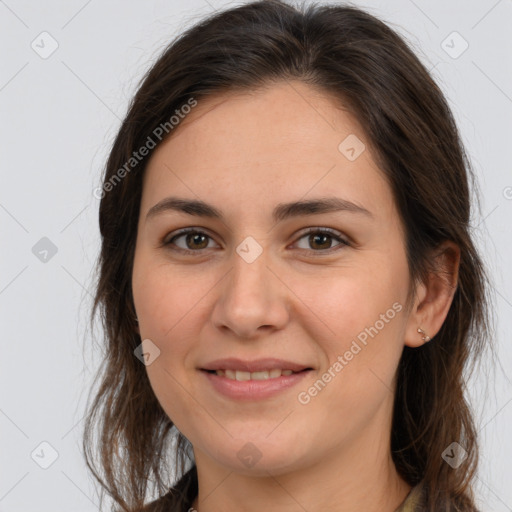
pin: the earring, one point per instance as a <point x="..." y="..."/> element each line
<point x="426" y="337"/>
<point x="136" y="320"/>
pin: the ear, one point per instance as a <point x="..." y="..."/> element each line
<point x="434" y="295"/>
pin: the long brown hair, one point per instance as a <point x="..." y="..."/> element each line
<point x="354" y="57"/>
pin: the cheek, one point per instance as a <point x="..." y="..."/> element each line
<point x="166" y="298"/>
<point x="347" y="301"/>
<point x="365" y="315"/>
<point x="166" y="301"/>
<point x="362" y="312"/>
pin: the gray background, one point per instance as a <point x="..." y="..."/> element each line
<point x="59" y="115"/>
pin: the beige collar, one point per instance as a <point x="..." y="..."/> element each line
<point x="412" y="501"/>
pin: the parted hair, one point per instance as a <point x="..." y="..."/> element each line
<point x="360" y="61"/>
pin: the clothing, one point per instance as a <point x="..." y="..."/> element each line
<point x="185" y="492"/>
<point x="187" y="488"/>
<point x="414" y="501"/>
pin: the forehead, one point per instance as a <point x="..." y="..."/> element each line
<point x="285" y="118"/>
<point x="280" y="142"/>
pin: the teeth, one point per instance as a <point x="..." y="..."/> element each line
<point x="259" y="375"/>
<point x="263" y="375"/>
<point x="242" y="375"/>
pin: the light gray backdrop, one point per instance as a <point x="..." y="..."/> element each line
<point x="68" y="70"/>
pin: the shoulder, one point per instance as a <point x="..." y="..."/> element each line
<point x="179" y="498"/>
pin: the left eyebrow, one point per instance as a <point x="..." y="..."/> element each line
<point x="285" y="211"/>
<point x="280" y="213"/>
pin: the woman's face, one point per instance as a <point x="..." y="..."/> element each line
<point x="255" y="285"/>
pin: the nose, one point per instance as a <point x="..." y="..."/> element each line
<point x="252" y="300"/>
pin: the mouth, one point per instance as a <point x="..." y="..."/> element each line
<point x="241" y="375"/>
<point x="254" y="380"/>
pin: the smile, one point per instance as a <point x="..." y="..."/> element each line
<point x="250" y="386"/>
<point x="241" y="375"/>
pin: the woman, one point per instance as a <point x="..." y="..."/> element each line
<point x="287" y="275"/>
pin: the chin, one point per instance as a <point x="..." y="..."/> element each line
<point x="259" y="457"/>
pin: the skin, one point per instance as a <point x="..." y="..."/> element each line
<point x="300" y="300"/>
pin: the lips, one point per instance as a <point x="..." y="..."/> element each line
<point x="251" y="386"/>
<point x="254" y="366"/>
<point x="258" y="379"/>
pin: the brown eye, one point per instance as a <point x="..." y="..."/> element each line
<point x="320" y="240"/>
<point x="194" y="241"/>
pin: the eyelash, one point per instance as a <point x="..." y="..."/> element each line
<point x="324" y="231"/>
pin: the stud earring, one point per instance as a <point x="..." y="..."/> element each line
<point x="425" y="337"/>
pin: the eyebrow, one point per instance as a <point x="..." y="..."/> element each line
<point x="280" y="213"/>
